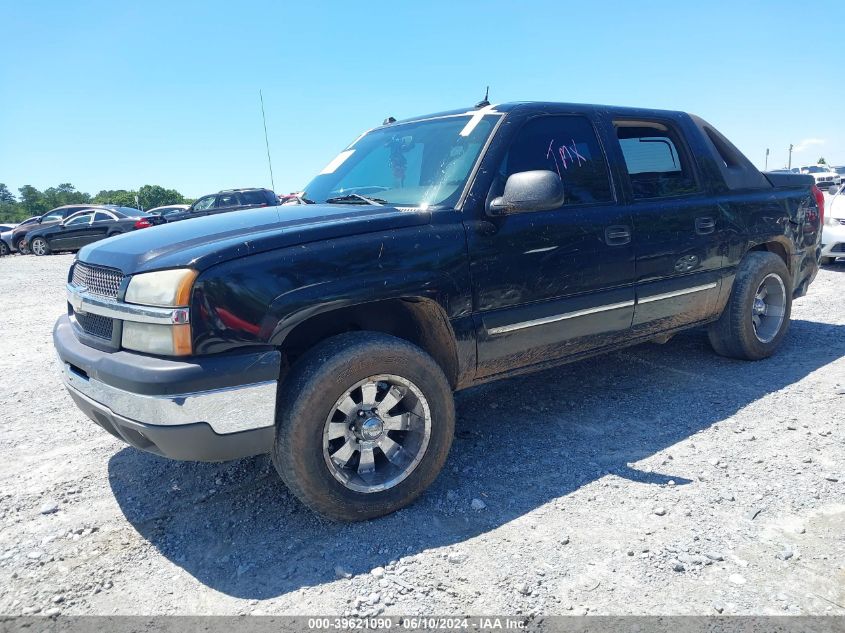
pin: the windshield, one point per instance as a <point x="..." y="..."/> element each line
<point x="815" y="169"/>
<point x="425" y="163"/>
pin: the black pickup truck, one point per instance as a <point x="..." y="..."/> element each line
<point x="430" y="255"/>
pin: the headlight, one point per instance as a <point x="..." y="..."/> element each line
<point x="164" y="288"/>
<point x="166" y="340"/>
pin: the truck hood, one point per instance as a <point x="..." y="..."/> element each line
<point x="203" y="242"/>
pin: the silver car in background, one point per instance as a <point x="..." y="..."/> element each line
<point x="6" y="247"/>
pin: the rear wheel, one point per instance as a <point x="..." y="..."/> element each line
<point x="364" y="425"/>
<point x="40" y="246"/>
<point x="756" y="317"/>
<point x="4" y="249"/>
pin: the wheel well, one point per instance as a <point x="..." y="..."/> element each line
<point x="420" y="321"/>
<point x="777" y="249"/>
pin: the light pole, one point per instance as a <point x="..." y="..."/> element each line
<point x="766" y="164"/>
<point x="790" y="157"/>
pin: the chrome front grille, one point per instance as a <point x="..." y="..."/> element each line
<point x="99" y="280"/>
<point x="95" y="325"/>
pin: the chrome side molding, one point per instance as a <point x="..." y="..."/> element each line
<point x="676" y="293"/>
<point x="611" y="306"/>
<point x="558" y="317"/>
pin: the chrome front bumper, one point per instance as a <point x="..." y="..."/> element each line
<point x="229" y="410"/>
<point x="203" y="408"/>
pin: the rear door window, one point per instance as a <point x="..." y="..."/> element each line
<point x="566" y="145"/>
<point x="84" y="218"/>
<point x="102" y="215"/>
<point x="227" y="200"/>
<point x="656" y="162"/>
<point x="252" y="197"/>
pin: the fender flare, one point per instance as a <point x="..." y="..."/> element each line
<point x="295" y="307"/>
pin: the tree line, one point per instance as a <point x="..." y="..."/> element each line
<point x="30" y="201"/>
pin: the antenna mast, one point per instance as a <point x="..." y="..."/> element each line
<point x="266" y="141"/>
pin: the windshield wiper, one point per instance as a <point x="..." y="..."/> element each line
<point x="355" y="198"/>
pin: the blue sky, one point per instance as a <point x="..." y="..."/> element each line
<point x="112" y="95"/>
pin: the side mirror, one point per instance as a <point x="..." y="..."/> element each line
<point x="539" y="190"/>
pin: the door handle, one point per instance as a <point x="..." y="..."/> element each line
<point x="481" y="227"/>
<point x="617" y="235"/>
<point x="705" y="225"/>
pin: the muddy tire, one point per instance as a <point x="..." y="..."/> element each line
<point x="756" y="317"/>
<point x="364" y="424"/>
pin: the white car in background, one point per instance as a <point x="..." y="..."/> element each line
<point x="825" y="176"/>
<point x="833" y="233"/>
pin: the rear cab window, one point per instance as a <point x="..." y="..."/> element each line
<point x="566" y="145"/>
<point x="656" y="160"/>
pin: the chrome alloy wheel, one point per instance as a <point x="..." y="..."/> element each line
<point x="768" y="309"/>
<point x="377" y="433"/>
<point x="39" y="246"/>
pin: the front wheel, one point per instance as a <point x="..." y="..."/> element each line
<point x="364" y="425"/>
<point x="756" y="317"/>
<point x="4" y="249"/>
<point x="40" y="246"/>
<point x="23" y="248"/>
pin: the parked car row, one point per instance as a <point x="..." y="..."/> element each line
<point x="824" y="175"/>
<point x="70" y="227"/>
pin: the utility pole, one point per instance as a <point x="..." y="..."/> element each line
<point x="790" y="157"/>
<point x="766" y="165"/>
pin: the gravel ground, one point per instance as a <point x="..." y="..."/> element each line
<point x="657" y="480"/>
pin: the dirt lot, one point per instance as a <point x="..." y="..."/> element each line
<point x="661" y="479"/>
